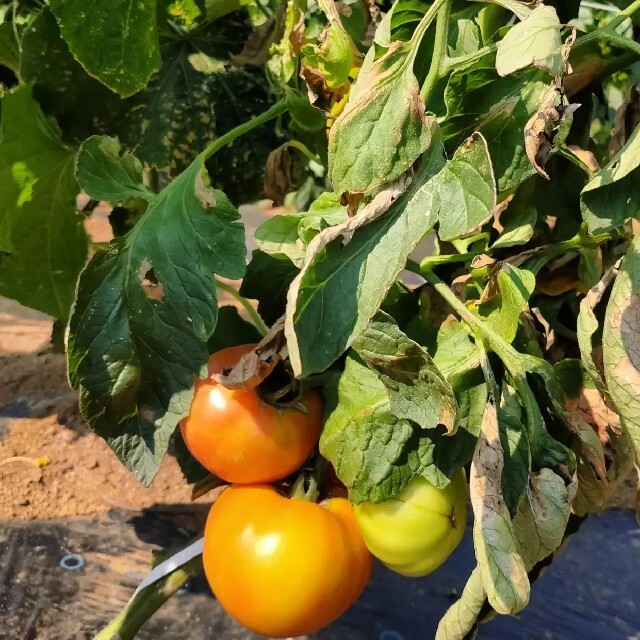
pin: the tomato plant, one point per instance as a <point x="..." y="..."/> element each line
<point x="239" y="437"/>
<point x="283" y="567"/>
<point x="419" y="528"/>
<point x="454" y="270"/>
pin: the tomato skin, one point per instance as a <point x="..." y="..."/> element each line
<point x="283" y="567"/>
<point x="240" y="438"/>
<point x="415" y="532"/>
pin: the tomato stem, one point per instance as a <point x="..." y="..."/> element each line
<point x="145" y="603"/>
<point x="307" y="484"/>
<point x="439" y="51"/>
<point x="253" y="314"/>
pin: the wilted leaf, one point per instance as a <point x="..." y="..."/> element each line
<point x="502" y="568"/>
<point x="254" y="367"/>
<point x="542" y="517"/>
<point x="534" y="41"/>
<point x="43" y="245"/>
<point x="621" y="344"/>
<point x="133" y="356"/>
<point x="283" y="60"/>
<point x="613" y="195"/>
<point x="417" y="390"/>
<point x="384" y="105"/>
<point x="341" y="287"/>
<point x="461" y="617"/>
<point x="376" y="454"/>
<point x="467" y="190"/>
<point x="281" y="175"/>
<point x="116" y="41"/>
<point x="588" y="326"/>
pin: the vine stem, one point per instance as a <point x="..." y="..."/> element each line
<point x="273" y="112"/>
<point x="144" y="604"/>
<point x="439" y="51"/>
<point x="253" y="314"/>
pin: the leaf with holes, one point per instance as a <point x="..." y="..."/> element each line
<point x="145" y="309"/>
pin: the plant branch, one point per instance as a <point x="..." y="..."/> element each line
<point x="253" y="314"/>
<point x="607" y="32"/>
<point x="439" y="51"/>
<point x="144" y="604"/>
<point x="273" y="112"/>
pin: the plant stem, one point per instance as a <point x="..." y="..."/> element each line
<point x="607" y="32"/>
<point x="273" y="112"/>
<point x="299" y="490"/>
<point x="144" y="604"/>
<point x="433" y="261"/>
<point x="302" y="148"/>
<point x="452" y="64"/>
<point x="439" y="51"/>
<point x="621" y="41"/>
<point x="425" y="23"/>
<point x="253" y="314"/>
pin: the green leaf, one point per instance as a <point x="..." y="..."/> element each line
<point x="232" y="330"/>
<point x="534" y="41"/>
<point x="376" y="454"/>
<point x="498" y="108"/>
<point x="417" y="390"/>
<point x="466" y="38"/>
<point x="516" y="286"/>
<point x="9" y="49"/>
<point x="519" y="226"/>
<point x="384" y="105"/>
<point x="116" y="41"/>
<point x="183" y="12"/>
<point x="515" y="445"/>
<point x="621" y="344"/>
<point x="81" y="105"/>
<point x="340" y="288"/>
<point x="278" y="236"/>
<point x="613" y="195"/>
<point x="43" y="245"/>
<point x="467" y="190"/>
<point x="502" y="568"/>
<point x="145" y="309"/>
<point x="271" y="291"/>
<point x="542" y="518"/>
<point x="325" y="211"/>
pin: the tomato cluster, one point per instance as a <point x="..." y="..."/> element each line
<point x="288" y="567"/>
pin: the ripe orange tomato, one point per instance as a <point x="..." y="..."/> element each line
<point x="283" y="567"/>
<point x="240" y="438"/>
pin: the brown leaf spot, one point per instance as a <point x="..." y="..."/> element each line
<point x="627" y="320"/>
<point x="281" y="176"/>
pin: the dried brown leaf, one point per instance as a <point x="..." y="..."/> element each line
<point x="255" y="366"/>
<point x="586" y="157"/>
<point x="627" y="118"/>
<point x="281" y="175"/>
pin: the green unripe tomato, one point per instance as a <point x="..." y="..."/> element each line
<point x="415" y="532"/>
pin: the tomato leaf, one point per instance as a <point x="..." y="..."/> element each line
<point x="145" y="309"/>
<point x="542" y="517"/>
<point x="502" y="568"/>
<point x="621" y="344"/>
<point x="613" y="195"/>
<point x="351" y="280"/>
<point x="461" y="617"/>
<point x="271" y="292"/>
<point x="498" y="108"/>
<point x="534" y="41"/>
<point x="384" y="105"/>
<point x="417" y="390"/>
<point x="43" y="245"/>
<point x="376" y="454"/>
<point x="467" y="190"/>
<point x="504" y="311"/>
<point x="116" y="41"/>
<point x="515" y="445"/>
<point x="519" y="225"/>
<point x="278" y="237"/>
<point x="520" y="8"/>
<point x="9" y="48"/>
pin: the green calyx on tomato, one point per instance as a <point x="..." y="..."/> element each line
<point x="417" y="530"/>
